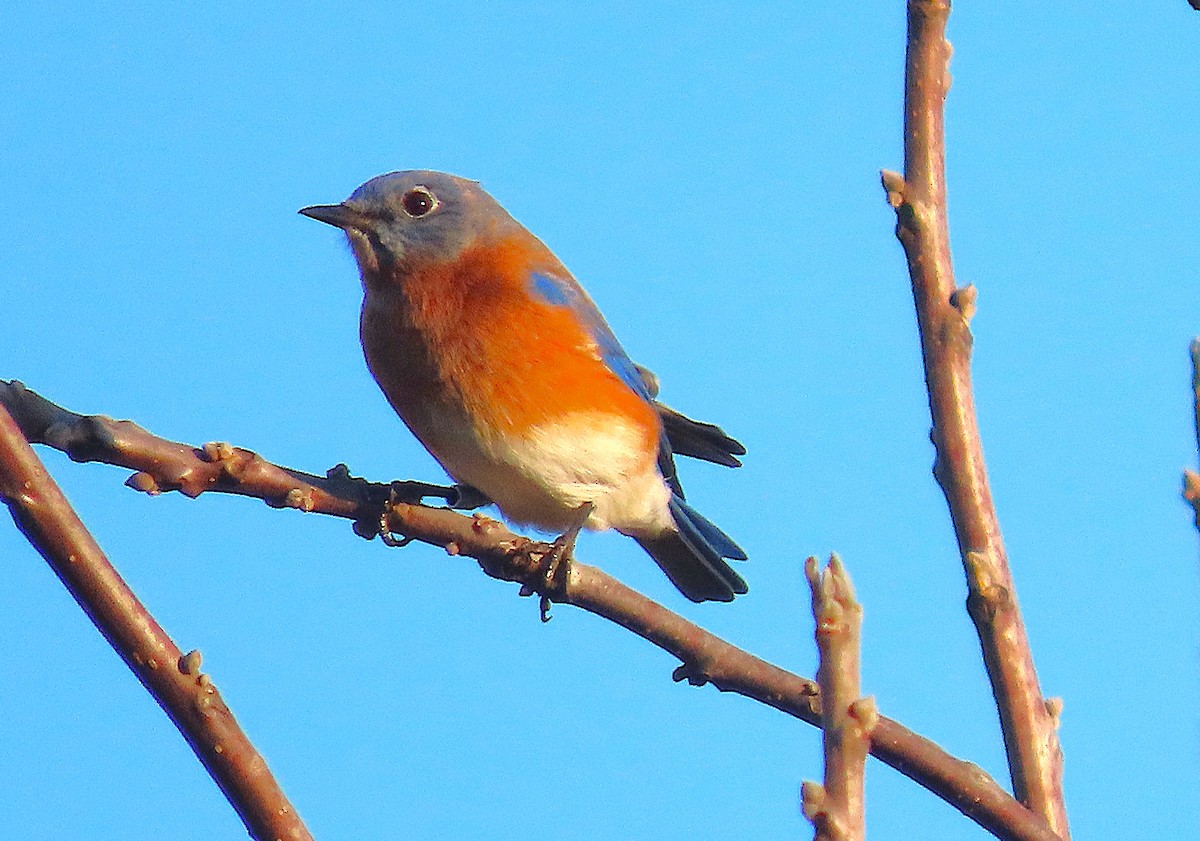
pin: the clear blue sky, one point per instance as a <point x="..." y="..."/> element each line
<point x="709" y="172"/>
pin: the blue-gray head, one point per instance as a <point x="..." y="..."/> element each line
<point x="416" y="215"/>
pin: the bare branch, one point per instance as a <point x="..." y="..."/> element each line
<point x="1191" y="480"/>
<point x="1195" y="352"/>
<point x="837" y="808"/>
<point x="188" y="697"/>
<point x="943" y="315"/>
<point x="509" y="557"/>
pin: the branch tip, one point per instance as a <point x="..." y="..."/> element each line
<point x="866" y="713"/>
<point x="812" y="572"/>
<point x="893" y="187"/>
<point x="189" y="664"/>
<point x="847" y="719"/>
<point x="143" y="482"/>
<point x="812" y="799"/>
<point x="217" y="451"/>
<point x="963" y="300"/>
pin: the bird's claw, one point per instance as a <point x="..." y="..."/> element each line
<point x="555" y="565"/>
<point x="385" y="528"/>
<point x="550" y="575"/>
<point x="557" y="561"/>
<point x="543" y="601"/>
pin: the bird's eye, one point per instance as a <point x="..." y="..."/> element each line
<point x="418" y="202"/>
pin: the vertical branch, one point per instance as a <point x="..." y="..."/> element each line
<point x="837" y="808"/>
<point x="187" y="696"/>
<point x="943" y="315"/>
<point x="1195" y="349"/>
<point x="1191" y="480"/>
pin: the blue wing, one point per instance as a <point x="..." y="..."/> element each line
<point x="700" y="571"/>
<point x="564" y="292"/>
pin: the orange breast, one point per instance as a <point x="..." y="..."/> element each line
<point x="514" y="361"/>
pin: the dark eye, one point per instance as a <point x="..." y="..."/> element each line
<point x="418" y="201"/>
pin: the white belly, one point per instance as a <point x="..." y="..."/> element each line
<point x="545" y="477"/>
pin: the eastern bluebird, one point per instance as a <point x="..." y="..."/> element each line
<point x="498" y="361"/>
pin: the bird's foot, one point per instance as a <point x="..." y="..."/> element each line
<point x="461" y="497"/>
<point x="562" y="551"/>
<point x="556" y="563"/>
<point x="385" y="527"/>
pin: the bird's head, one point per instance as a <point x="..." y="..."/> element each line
<point x="413" y="217"/>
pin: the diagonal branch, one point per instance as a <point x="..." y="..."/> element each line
<point x="167" y="465"/>
<point x="188" y="697"/>
<point x="943" y="315"/>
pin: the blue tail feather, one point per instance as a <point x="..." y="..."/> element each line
<point x="692" y="555"/>
<point x="710" y="534"/>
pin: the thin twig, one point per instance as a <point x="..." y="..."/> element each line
<point x="943" y="314"/>
<point x="167" y="465"/>
<point x="837" y="808"/>
<point x="174" y="679"/>
<point x="1191" y="480"/>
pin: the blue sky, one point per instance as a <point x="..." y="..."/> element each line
<point x="709" y="172"/>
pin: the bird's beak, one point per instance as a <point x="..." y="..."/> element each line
<point x="339" y="215"/>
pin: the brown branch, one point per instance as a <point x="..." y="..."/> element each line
<point x="837" y="808"/>
<point x="188" y="697"/>
<point x="943" y="314"/>
<point x="1195" y="352"/>
<point x="1191" y="480"/>
<point x="166" y="465"/>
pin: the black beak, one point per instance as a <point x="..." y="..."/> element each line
<point x="339" y="215"/>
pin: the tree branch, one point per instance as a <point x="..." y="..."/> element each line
<point x="837" y="808"/>
<point x="943" y="316"/>
<point x="188" y="697"/>
<point x="167" y="465"/>
<point x="1191" y="480"/>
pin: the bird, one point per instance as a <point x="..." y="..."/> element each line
<point x="501" y="365"/>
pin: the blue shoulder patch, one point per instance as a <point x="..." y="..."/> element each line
<point x="564" y="293"/>
<point x="548" y="290"/>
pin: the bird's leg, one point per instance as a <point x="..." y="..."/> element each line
<point x="557" y="562"/>
<point x="562" y="550"/>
